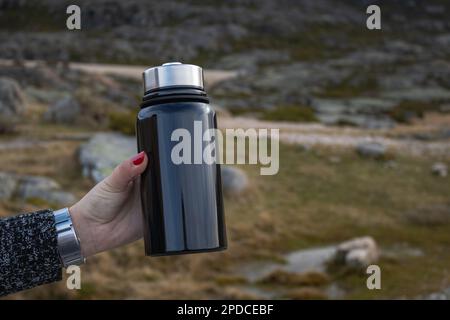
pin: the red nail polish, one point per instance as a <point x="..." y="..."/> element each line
<point x="138" y="159"/>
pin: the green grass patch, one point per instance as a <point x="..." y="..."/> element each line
<point x="122" y="121"/>
<point x="38" y="202"/>
<point x="87" y="291"/>
<point x="348" y="88"/>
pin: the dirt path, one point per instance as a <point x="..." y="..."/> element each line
<point x="319" y="134"/>
<point x="212" y="77"/>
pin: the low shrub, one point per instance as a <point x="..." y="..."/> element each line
<point x="122" y="121"/>
<point x="406" y="111"/>
<point x="8" y="126"/>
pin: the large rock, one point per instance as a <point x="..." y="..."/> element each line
<point x="31" y="188"/>
<point x="65" y="110"/>
<point x="358" y="252"/>
<point x="373" y="150"/>
<point x="103" y="152"/>
<point x="42" y="188"/>
<point x="439" y="169"/>
<point x="234" y="180"/>
<point x="12" y="102"/>
<point x="8" y="184"/>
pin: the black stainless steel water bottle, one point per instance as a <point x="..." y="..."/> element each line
<point x="181" y="199"/>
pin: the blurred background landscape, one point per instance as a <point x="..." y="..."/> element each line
<point x="364" y="118"/>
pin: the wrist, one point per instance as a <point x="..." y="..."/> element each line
<point x="82" y="230"/>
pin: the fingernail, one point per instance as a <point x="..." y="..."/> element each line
<point x="138" y="159"/>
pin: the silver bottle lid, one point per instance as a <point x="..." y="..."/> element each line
<point x="173" y="74"/>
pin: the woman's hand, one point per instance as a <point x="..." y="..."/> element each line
<point x="109" y="215"/>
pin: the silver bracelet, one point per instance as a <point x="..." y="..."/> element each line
<point x="68" y="243"/>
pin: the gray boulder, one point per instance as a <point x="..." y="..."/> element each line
<point x="103" y="152"/>
<point x="33" y="187"/>
<point x="8" y="184"/>
<point x="36" y="187"/>
<point x="373" y="150"/>
<point x="65" y="110"/>
<point x="12" y="101"/>
<point x="234" y="180"/>
<point x="439" y="169"/>
<point x="358" y="253"/>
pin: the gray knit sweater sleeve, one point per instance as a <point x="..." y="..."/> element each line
<point x="28" y="251"/>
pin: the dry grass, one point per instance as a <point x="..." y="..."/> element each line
<point x="225" y="280"/>
<point x="430" y="216"/>
<point x="305" y="294"/>
<point x="286" y="278"/>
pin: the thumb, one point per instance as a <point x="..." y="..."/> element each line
<point x="125" y="172"/>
